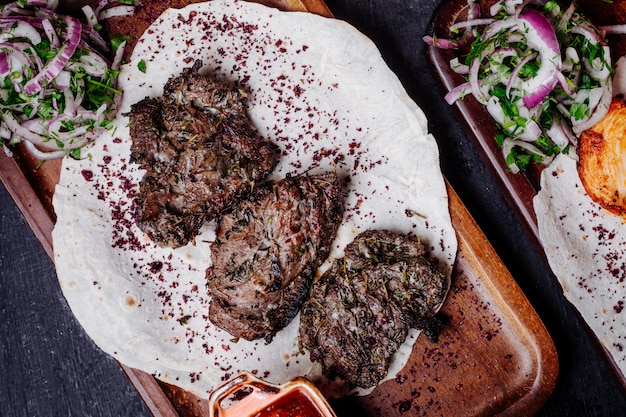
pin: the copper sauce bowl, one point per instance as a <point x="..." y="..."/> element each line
<point x="247" y="396"/>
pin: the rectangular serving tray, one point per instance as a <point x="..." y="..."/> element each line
<point x="518" y="189"/>
<point x="494" y="356"/>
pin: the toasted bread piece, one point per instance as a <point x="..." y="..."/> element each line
<point x="602" y="160"/>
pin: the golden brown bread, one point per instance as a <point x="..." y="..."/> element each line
<point x="602" y="160"/>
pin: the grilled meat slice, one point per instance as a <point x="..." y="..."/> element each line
<point x="145" y="130"/>
<point x="361" y="309"/>
<point x="167" y="216"/>
<point x="205" y="94"/>
<point x="267" y="251"/>
<point x="200" y="152"/>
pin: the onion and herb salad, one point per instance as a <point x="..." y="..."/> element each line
<point x="58" y="90"/>
<point x="543" y="73"/>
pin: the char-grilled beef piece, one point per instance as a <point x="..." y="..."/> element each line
<point x="200" y="152"/>
<point x="267" y="251"/>
<point x="361" y="309"/>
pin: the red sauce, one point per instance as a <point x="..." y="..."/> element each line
<point x="293" y="404"/>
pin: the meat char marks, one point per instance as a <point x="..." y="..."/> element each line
<point x="267" y="251"/>
<point x="201" y="154"/>
<point x="361" y="309"/>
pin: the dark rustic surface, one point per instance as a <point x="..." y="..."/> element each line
<point x="49" y="367"/>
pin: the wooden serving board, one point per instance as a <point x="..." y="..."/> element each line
<point x="493" y="357"/>
<point x="518" y="189"/>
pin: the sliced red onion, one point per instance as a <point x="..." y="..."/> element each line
<point x="5" y="133"/>
<point x="49" y="14"/>
<point x="36" y="125"/>
<point x="473" y="13"/>
<point x="116" y="11"/>
<point x="571" y="59"/>
<point x="98" y="115"/>
<point x="20" y="29"/>
<point x="494" y="108"/>
<point x="443" y="43"/>
<point x="539" y="92"/>
<point x="18" y="59"/>
<point x="567" y="131"/>
<point x="474" y="82"/>
<point x="17" y="107"/>
<point x="51" y="33"/>
<point x="18" y="130"/>
<point x="532" y="149"/>
<point x="498" y="26"/>
<point x="465" y="24"/>
<point x="9" y="20"/>
<point x="500" y="54"/>
<point x="70" y="102"/>
<point x="95" y="38"/>
<point x="508" y="144"/>
<point x="597" y="68"/>
<point x="531" y="132"/>
<point x="565" y="84"/>
<point x="458" y="67"/>
<point x="557" y="134"/>
<point x="119" y="55"/>
<point x="600" y="110"/>
<point x="588" y="32"/>
<point x="90" y="15"/>
<point x="56" y="125"/>
<point x="48" y="73"/>
<point x="589" y="97"/>
<point x="514" y="80"/>
<point x="43" y="155"/>
<point x="80" y="92"/>
<point x="79" y="119"/>
<point x="54" y="66"/>
<point x="100" y="5"/>
<point x="458" y="93"/>
<point x="561" y="133"/>
<point x="63" y="80"/>
<point x="473" y="10"/>
<point x="91" y="63"/>
<point x="540" y="36"/>
<point x="515" y="37"/>
<point x="510" y="7"/>
<point x="17" y="52"/>
<point x="613" y="29"/>
<point x="41" y="3"/>
<point x="4" y="64"/>
<point x="528" y="133"/>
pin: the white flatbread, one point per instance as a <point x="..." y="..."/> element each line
<point x="317" y="88"/>
<point x="586" y="249"/>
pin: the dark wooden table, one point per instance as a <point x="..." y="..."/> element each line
<point x="49" y="367"/>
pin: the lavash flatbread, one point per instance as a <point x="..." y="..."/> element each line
<point x="321" y="91"/>
<point x="586" y="249"/>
